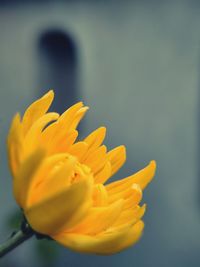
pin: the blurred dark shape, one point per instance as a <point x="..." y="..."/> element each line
<point x="58" y="67"/>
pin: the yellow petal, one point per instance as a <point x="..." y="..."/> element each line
<point x="36" y="110"/>
<point x="63" y="126"/>
<point x="46" y="170"/>
<point x="117" y="157"/>
<point x="25" y="175"/>
<point x="71" y="117"/>
<point x="130" y="216"/>
<point x="99" y="219"/>
<point x="134" y="192"/>
<point x="132" y="200"/>
<point x="96" y="159"/>
<point x="33" y="135"/>
<point x="78" y="117"/>
<point x="64" y="209"/>
<point x="107" y="243"/>
<point x="142" y="178"/>
<point x="133" y="235"/>
<point x="49" y="132"/>
<point x="67" y="118"/>
<point x="55" y="180"/>
<point x="14" y="144"/>
<point x="100" y="196"/>
<point x="59" y="133"/>
<point x="62" y="142"/>
<point x="103" y="175"/>
<point x="78" y="149"/>
<point x="95" y="139"/>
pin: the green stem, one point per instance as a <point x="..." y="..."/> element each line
<point x="15" y="240"/>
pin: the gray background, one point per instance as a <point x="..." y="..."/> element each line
<point x="138" y="70"/>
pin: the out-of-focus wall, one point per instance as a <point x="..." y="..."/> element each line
<point x="139" y="73"/>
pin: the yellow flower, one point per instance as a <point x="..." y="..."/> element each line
<point x="60" y="183"/>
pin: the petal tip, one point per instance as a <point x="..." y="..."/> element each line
<point x="123" y="148"/>
<point x="17" y="116"/>
<point x="102" y="128"/>
<point x="50" y="94"/>
<point x="144" y="206"/>
<point x="153" y="165"/>
<point x="136" y="187"/>
<point x="86" y="108"/>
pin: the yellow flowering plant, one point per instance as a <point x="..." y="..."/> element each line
<point x="62" y="185"/>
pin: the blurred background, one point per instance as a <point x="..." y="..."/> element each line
<point x="137" y="65"/>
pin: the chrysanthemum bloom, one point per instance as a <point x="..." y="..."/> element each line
<point x="60" y="183"/>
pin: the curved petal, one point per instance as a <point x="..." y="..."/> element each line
<point x="33" y="135"/>
<point x="54" y="176"/>
<point x="133" y="235"/>
<point x="130" y="216"/>
<point x="142" y="178"/>
<point x="55" y="131"/>
<point x="134" y="192"/>
<point x="95" y="139"/>
<point x="78" y="117"/>
<point x="49" y="132"/>
<point x="106" y="243"/>
<point x="36" y="110"/>
<point x="99" y="219"/>
<point x="97" y="159"/>
<point x="133" y="199"/>
<point x="25" y="174"/>
<point x="50" y="167"/>
<point x="14" y="144"/>
<point x="117" y="157"/>
<point x="62" y="210"/>
<point x="103" y="175"/>
<point x="67" y="118"/>
<point x="100" y="196"/>
<point x="62" y="142"/>
<point x="78" y="149"/>
<point x="59" y="136"/>
<point x="71" y="117"/>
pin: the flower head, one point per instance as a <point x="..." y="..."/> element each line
<point x="60" y="182"/>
